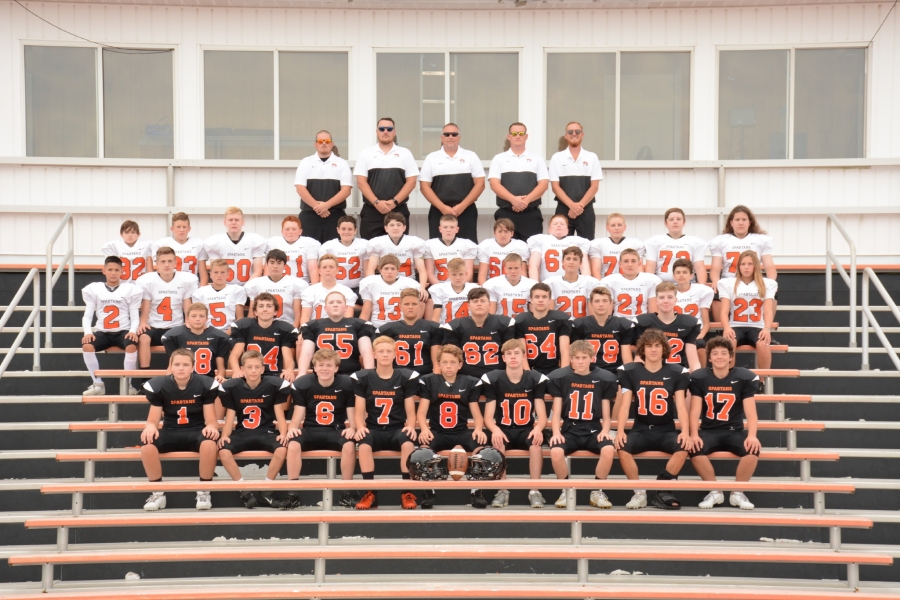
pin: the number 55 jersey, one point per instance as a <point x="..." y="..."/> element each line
<point x="341" y="336"/>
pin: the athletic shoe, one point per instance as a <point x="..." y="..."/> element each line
<point x="536" y="499"/>
<point x="408" y="501"/>
<point x="95" y="389"/>
<point x="501" y="499"/>
<point x="204" y="502"/>
<point x="561" y="502"/>
<point x="270" y="499"/>
<point x="665" y="501"/>
<point x="478" y="500"/>
<point x="248" y="498"/>
<point x="156" y="501"/>
<point x="133" y="391"/>
<point x="740" y="500"/>
<point x="712" y="499"/>
<point x="349" y="499"/>
<point x="639" y="500"/>
<point x="369" y="500"/>
<point x="599" y="499"/>
<point x="291" y="502"/>
<point x="428" y="500"/>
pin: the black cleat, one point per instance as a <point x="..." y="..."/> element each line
<point x="478" y="500"/>
<point x="270" y="499"/>
<point x="249" y="499"/>
<point x="349" y="499"/>
<point x="427" y="500"/>
<point x="291" y="502"/>
<point x="665" y="501"/>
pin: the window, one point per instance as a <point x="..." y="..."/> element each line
<point x="482" y="89"/>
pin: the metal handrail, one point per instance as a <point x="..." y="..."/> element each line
<point x="849" y="279"/>
<point x="52" y="278"/>
<point x="867" y="317"/>
<point x="34" y="317"/>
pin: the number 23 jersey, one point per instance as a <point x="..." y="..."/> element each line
<point x="385" y="398"/>
<point x="653" y="392"/>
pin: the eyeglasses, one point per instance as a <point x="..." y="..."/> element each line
<point x="323" y="141"/>
<point x="450" y="133"/>
<point x="517" y="133"/>
<point x="385" y="129"/>
<point x="573" y="132"/>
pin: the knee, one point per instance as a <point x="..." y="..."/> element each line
<point x="607" y="452"/>
<point x="88" y="348"/>
<point x="557" y="453"/>
<point x="280" y="452"/>
<point x="131" y="349"/>
<point x="208" y="448"/>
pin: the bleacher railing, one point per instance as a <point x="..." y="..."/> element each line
<point x="52" y="278"/>
<point x="34" y="318"/>
<point x="832" y="261"/>
<point x="868" y="318"/>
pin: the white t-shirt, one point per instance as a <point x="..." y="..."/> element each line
<point x="451" y="178"/>
<point x="608" y="252"/>
<point x="442" y="253"/>
<point x="746" y="307"/>
<point x="729" y="248"/>
<point x="221" y="303"/>
<point x="665" y="251"/>
<point x="239" y="254"/>
<point x="385" y="297"/>
<point x="314" y="297"/>
<point x="188" y="255"/>
<point x="698" y="297"/>
<point x="323" y="179"/>
<point x="492" y="253"/>
<point x="572" y="297"/>
<point x="453" y="304"/>
<point x="630" y="296"/>
<point x="511" y="299"/>
<point x="350" y="259"/>
<point x="288" y="288"/>
<point x="134" y="258"/>
<point x="116" y="310"/>
<point x="407" y="250"/>
<point x="551" y="250"/>
<point x="298" y="253"/>
<point x="167" y="298"/>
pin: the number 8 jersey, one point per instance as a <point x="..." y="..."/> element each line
<point x="448" y="408"/>
<point x="254" y="407"/>
<point x="385" y="398"/>
<point x="653" y="392"/>
<point x="326" y="406"/>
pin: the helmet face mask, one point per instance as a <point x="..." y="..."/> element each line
<point x="425" y="465"/>
<point x="487" y="465"/>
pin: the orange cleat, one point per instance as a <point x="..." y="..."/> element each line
<point x="369" y="500"/>
<point x="408" y="501"/>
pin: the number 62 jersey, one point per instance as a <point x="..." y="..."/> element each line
<point x="385" y="398"/>
<point x="480" y="345"/>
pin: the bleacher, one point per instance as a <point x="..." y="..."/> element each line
<point x="826" y="523"/>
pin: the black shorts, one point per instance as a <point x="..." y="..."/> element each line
<point x="647" y="439"/>
<point x="584" y="225"/>
<point x="746" y="335"/>
<point x="104" y="340"/>
<point x="700" y="343"/>
<point x="385" y="439"/>
<point x="242" y="440"/>
<point x="446" y="440"/>
<point x="581" y="439"/>
<point x="518" y="438"/>
<point x="723" y="440"/>
<point x="468" y="223"/>
<point x="322" y="438"/>
<point x="156" y="334"/>
<point x="180" y="440"/>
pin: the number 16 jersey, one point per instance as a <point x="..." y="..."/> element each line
<point x="654" y="392"/>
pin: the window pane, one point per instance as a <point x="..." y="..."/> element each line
<point x="582" y="87"/>
<point x="137" y="105"/>
<point x="313" y="93"/>
<point x="829" y="110"/>
<point x="411" y="91"/>
<point x="753" y="104"/>
<point x="239" y="104"/>
<point x="60" y="101"/>
<point x="655" y="106"/>
<point x="484" y="100"/>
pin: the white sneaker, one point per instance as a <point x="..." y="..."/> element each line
<point x="501" y="499"/>
<point x="133" y="391"/>
<point x="639" y="500"/>
<point x="536" y="499"/>
<point x="712" y="499"/>
<point x="95" y="389"/>
<point x="156" y="501"/>
<point x="599" y="499"/>
<point x="740" y="500"/>
<point x="204" y="502"/>
<point x="561" y="501"/>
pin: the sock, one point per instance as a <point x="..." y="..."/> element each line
<point x="368" y="475"/>
<point x="92" y="364"/>
<point x="404" y="476"/>
<point x="202" y="479"/>
<point x="130" y="364"/>
<point x="239" y="480"/>
<point x="474" y="490"/>
<point x="267" y="479"/>
<point x="156" y="480"/>
<point x="665" y="475"/>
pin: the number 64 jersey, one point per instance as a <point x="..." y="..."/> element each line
<point x="117" y="309"/>
<point x="385" y="398"/>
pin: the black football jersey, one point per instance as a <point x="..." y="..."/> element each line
<point x="326" y="406"/>
<point x="206" y="346"/>
<point x="582" y="396"/>
<point x="254" y="407"/>
<point x="515" y="401"/>
<point x="267" y="341"/>
<point x="680" y="332"/>
<point x="723" y="399"/>
<point x="653" y="393"/>
<point x="542" y="337"/>
<point x="385" y="408"/>
<point x="341" y="336"/>
<point x="413" y="343"/>
<point x="448" y="407"/>
<point x="480" y="345"/>
<point x="607" y="339"/>
<point x="182" y="408"/>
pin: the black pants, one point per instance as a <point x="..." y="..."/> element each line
<point x="318" y="228"/>
<point x="528" y="223"/>
<point x="468" y="223"/>
<point x="584" y="225"/>
<point x="371" y="222"/>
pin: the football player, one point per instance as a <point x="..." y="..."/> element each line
<point x="407" y="248"/>
<point x="693" y="299"/>
<point x="312" y="299"/>
<point x="510" y="291"/>
<point x="546" y="332"/>
<point x="350" y="337"/>
<point x="190" y="256"/>
<point x="546" y="250"/>
<point x="634" y="292"/>
<point x="302" y="252"/>
<point x="479" y="335"/>
<point x="350" y="252"/>
<point x="742" y="233"/>
<point x="272" y="338"/>
<point x="570" y="290"/>
<point x="610" y="335"/>
<point x="493" y="251"/>
<point x="417" y="342"/>
<point x="210" y="346"/>
<point x="681" y="330"/>
<point x="438" y="252"/>
<point x="224" y="300"/>
<point x="604" y="252"/>
<point x="243" y="251"/>
<point x="451" y="297"/>
<point x="381" y="293"/>
<point x="748" y="308"/>
<point x="133" y="251"/>
<point x="662" y="250"/>
<point x="286" y="288"/>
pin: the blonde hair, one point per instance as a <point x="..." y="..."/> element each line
<point x="383" y="339"/>
<point x="233" y="210"/>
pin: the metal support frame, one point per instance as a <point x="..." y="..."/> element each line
<point x="805" y="470"/>
<point x="34" y="318"/>
<point x="832" y="261"/>
<point x="52" y="278"/>
<point x="819" y="502"/>
<point x="46" y="577"/>
<point x="77" y="503"/>
<point x="834" y="538"/>
<point x="852" y="576"/>
<point x="62" y="539"/>
<point x="868" y="318"/>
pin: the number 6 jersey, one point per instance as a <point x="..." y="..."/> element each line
<point x="326" y="405"/>
<point x="254" y="407"/>
<point x="182" y="408"/>
<point x="117" y="309"/>
<point x="385" y="398"/>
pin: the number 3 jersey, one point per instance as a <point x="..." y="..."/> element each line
<point x="542" y="338"/>
<point x="268" y="341"/>
<point x="582" y="397"/>
<point x="117" y="309"/>
<point x="326" y="405"/>
<point x="254" y="407"/>
<point x="746" y="309"/>
<point x="341" y="336"/>
<point x="207" y="346"/>
<point x="480" y="345"/>
<point x="683" y="330"/>
<point x="723" y="399"/>
<point x="515" y="401"/>
<point x="653" y="393"/>
<point x="385" y="398"/>
<point x="413" y="343"/>
<point x="182" y="408"/>
<point x="448" y="407"/>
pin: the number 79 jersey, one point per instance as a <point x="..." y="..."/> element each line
<point x="582" y="396"/>
<point x="480" y="345"/>
<point x="326" y="406"/>
<point x="723" y="399"/>
<point x="654" y="393"/>
<point x="385" y="398"/>
<point x="254" y="407"/>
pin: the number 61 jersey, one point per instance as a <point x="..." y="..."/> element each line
<point x="182" y="408"/>
<point x="385" y="398"/>
<point x="254" y="407"/>
<point x="326" y="406"/>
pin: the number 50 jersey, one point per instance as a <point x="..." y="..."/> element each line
<point x="385" y="398"/>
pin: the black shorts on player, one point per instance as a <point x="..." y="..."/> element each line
<point x="746" y="336"/>
<point x="321" y="229"/>
<point x="243" y="440"/>
<point x="156" y="334"/>
<point x="581" y="439"/>
<point x="660" y="438"/>
<point x="700" y="343"/>
<point x="322" y="438"/>
<point x="447" y="440"/>
<point x="518" y="438"/>
<point x="723" y="440"/>
<point x="103" y="340"/>
<point x="179" y="440"/>
<point x="385" y="439"/>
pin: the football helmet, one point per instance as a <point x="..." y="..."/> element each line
<point x="425" y="465"/>
<point x="487" y="464"/>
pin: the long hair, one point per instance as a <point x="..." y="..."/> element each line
<point x="740" y="208"/>
<point x="757" y="273"/>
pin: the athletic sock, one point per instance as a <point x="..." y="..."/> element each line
<point x="202" y="479"/>
<point x="368" y="475"/>
<point x="92" y="364"/>
<point x="130" y="364"/>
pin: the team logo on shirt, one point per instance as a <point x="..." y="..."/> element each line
<point x="584" y="162"/>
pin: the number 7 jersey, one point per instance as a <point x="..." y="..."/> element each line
<point x="385" y="398"/>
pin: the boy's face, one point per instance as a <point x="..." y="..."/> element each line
<point x="196" y="319"/>
<point x="720" y="358"/>
<point x="558" y="228"/>
<point x="180" y="231"/>
<point x="165" y="264"/>
<point x="234" y="222"/>
<point x="513" y="269"/>
<point x="130" y="236"/>
<point x="616" y="227"/>
<point x="335" y="306"/>
<point x="581" y="362"/>
<point x="503" y="235"/>
<point x="571" y="263"/>
<point x="384" y="354"/>
<point x="514" y="358"/>
<point x="479" y="307"/>
<point x="665" y="301"/>
<point x="458" y="277"/>
<point x="347" y="232"/>
<point x="629" y="264"/>
<point x="290" y="231"/>
<point x="182" y="367"/>
<point x="327" y="269"/>
<point x="653" y="352"/>
<point x="219" y="275"/>
<point x="448" y="230"/>
<point x="682" y="275"/>
<point x="325" y="369"/>
<point x="540" y="301"/>
<point x="253" y="368"/>
<point x="274" y="268"/>
<point x="265" y="310"/>
<point x="409" y="307"/>
<point x="113" y="273"/>
<point x="395" y="229"/>
<point x="389" y="273"/>
<point x="449" y="365"/>
<point x="601" y="305"/>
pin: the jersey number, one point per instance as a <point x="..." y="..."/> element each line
<point x="241" y="269"/>
<point x="588" y="413"/>
<point x="726" y="400"/>
<point x="486" y="354"/>
<point x="516" y="306"/>
<point x="577" y="306"/>
<point x="189" y="262"/>
<point x="385" y="404"/>
<point x="287" y="267"/>
<point x="659" y="401"/>
<point x="182" y="416"/>
<point x="203" y="361"/>
<point x="520" y="415"/>
<point x="270" y="358"/>
<point x="449" y="415"/>
<point x="325" y="413"/>
<point x="111" y="318"/>
<point x="402" y="354"/>
<point x="251" y="418"/>
<point x="732" y="259"/>
<point x="676" y="345"/>
<point x="740" y="312"/>
<point x="217" y="315"/>
<point x="551" y="261"/>
<point x="688" y="309"/>
<point x="610" y="349"/>
<point x="495" y="267"/>
<point x="666" y="256"/>
<point x="462" y="311"/>
<point x="353" y="270"/>
<point x="343" y="343"/>
<point x="609" y="265"/>
<point x="132" y="268"/>
<point x="625" y="308"/>
<point x="548" y="346"/>
<point x="393" y="304"/>
<point x="164" y="308"/>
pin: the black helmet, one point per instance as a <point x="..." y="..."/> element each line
<point x="425" y="465"/>
<point x="487" y="464"/>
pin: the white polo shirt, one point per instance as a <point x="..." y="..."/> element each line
<point x="386" y="171"/>
<point x="323" y="179"/>
<point x="451" y="177"/>
<point x="575" y="174"/>
<point x="518" y="174"/>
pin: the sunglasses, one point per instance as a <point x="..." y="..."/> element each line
<point x="450" y="133"/>
<point x="517" y="133"/>
<point x="385" y="129"/>
<point x="573" y="132"/>
<point x="323" y="141"/>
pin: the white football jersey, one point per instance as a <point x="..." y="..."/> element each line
<point x="287" y="289"/>
<point x="350" y="260"/>
<point x="630" y="296"/>
<point x="608" y="252"/>
<point x="239" y="254"/>
<point x="167" y="298"/>
<point x="385" y="297"/>
<point x="442" y="253"/>
<point x="221" y="303"/>
<point x="729" y="248"/>
<point x="134" y="258"/>
<point x="511" y="299"/>
<point x="492" y="253"/>
<point x="692" y="301"/>
<point x="572" y="296"/>
<point x="187" y="255"/>
<point x="118" y="309"/>
<point x="407" y="250"/>
<point x="665" y="251"/>
<point x="298" y="253"/>
<point x="746" y="305"/>
<point x="453" y="304"/>
<point x="551" y="250"/>
<point x="314" y="297"/>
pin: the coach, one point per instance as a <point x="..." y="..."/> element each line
<point x="574" y="178"/>
<point x="323" y="182"/>
<point x="452" y="178"/>
<point x="519" y="178"/>
<point x="386" y="175"/>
